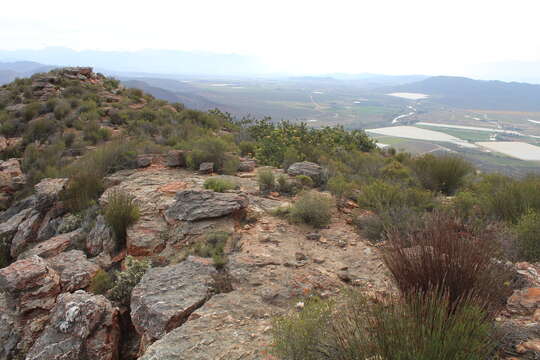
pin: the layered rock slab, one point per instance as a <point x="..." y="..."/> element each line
<point x="82" y="326"/>
<point x="235" y="325"/>
<point x="166" y="296"/>
<point x="192" y="205"/>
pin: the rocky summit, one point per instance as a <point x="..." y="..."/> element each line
<point x="136" y="229"/>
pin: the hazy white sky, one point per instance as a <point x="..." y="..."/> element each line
<point x="398" y="36"/>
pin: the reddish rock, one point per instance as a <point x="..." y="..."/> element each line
<point x="52" y="247"/>
<point x="30" y="284"/>
<point x="175" y="158"/>
<point x="144" y="238"/>
<point x="524" y="302"/>
<point x="75" y="270"/>
<point x="82" y="326"/>
<point x="26" y="233"/>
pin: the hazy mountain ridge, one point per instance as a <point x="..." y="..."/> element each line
<point x="464" y="92"/>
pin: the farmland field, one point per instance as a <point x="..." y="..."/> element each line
<point x="519" y="150"/>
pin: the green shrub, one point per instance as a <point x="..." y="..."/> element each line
<point x="305" y="181"/>
<point x="31" y="111"/>
<point x="126" y="280"/>
<point x="266" y="180"/>
<point x="120" y="212"/>
<point x="312" y="208"/>
<point x="61" y="109"/>
<point x="100" y="283"/>
<point x="214" y="247"/>
<point x="528" y="235"/>
<point x="230" y="165"/>
<point x="41" y="162"/>
<point x="40" y="130"/>
<point x="247" y="148"/>
<point x="441" y="173"/>
<point x="290" y="156"/>
<point x="93" y="133"/>
<point x="219" y="185"/>
<point x="375" y="227"/>
<point x="508" y="199"/>
<point x="340" y="187"/>
<point x="380" y="196"/>
<point x="208" y="149"/>
<point x="82" y="190"/>
<point x="284" y="186"/>
<point x="419" y="327"/>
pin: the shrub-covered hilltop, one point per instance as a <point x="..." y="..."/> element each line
<point x="132" y="228"/>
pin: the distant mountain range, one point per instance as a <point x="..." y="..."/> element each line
<point x="9" y="71"/>
<point x="146" y="61"/>
<point x="467" y="93"/>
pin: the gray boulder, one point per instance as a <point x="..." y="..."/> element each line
<point x="306" y="168"/>
<point x="229" y="326"/>
<point x="175" y="158"/>
<point x="191" y="205"/>
<point x="100" y="238"/>
<point x="75" y="270"/>
<point x="166" y="296"/>
<point x="206" y="168"/>
<point x="82" y="326"/>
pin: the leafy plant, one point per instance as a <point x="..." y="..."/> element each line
<point x="312" y="208"/>
<point x="441" y="173"/>
<point x="266" y="180"/>
<point x="126" y="280"/>
<point x="219" y="185"/>
<point x="101" y="283"/>
<point x="528" y="234"/>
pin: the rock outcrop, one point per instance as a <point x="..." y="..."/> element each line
<point x="192" y="205"/>
<point x="166" y="296"/>
<point x="82" y="326"/>
<point x="75" y="270"/>
<point x="53" y="246"/>
<point x="12" y="179"/>
<point x="306" y="168"/>
<point x="228" y="326"/>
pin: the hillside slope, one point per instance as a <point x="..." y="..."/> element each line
<point x="476" y="94"/>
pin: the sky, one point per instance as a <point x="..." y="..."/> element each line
<point x="296" y="36"/>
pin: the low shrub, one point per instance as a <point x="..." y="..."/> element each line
<point x="31" y="111"/>
<point x="126" y="280"/>
<point x="340" y="187"/>
<point x="219" y="185"/>
<point x="209" y="149"/>
<point x="61" y="109"/>
<point x="379" y="196"/>
<point x="230" y="165"/>
<point x="449" y="254"/>
<point x="40" y="130"/>
<point x="266" y="180"/>
<point x="305" y="181"/>
<point x="418" y="327"/>
<point x="312" y="208"/>
<point x="247" y="147"/>
<point x="375" y="227"/>
<point x="444" y="174"/>
<point x="120" y="212"/>
<point x="285" y="186"/>
<point x="101" y="283"/>
<point x="94" y="134"/>
<point x="214" y="247"/>
<point x="528" y="236"/>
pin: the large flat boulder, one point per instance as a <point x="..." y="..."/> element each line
<point x="75" y="270"/>
<point x="82" y="326"/>
<point x="229" y="326"/>
<point x="30" y="284"/>
<point x="53" y="246"/>
<point x="166" y="296"/>
<point x="191" y="205"/>
<point x="306" y="168"/>
<point x="100" y="238"/>
<point x="145" y="238"/>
